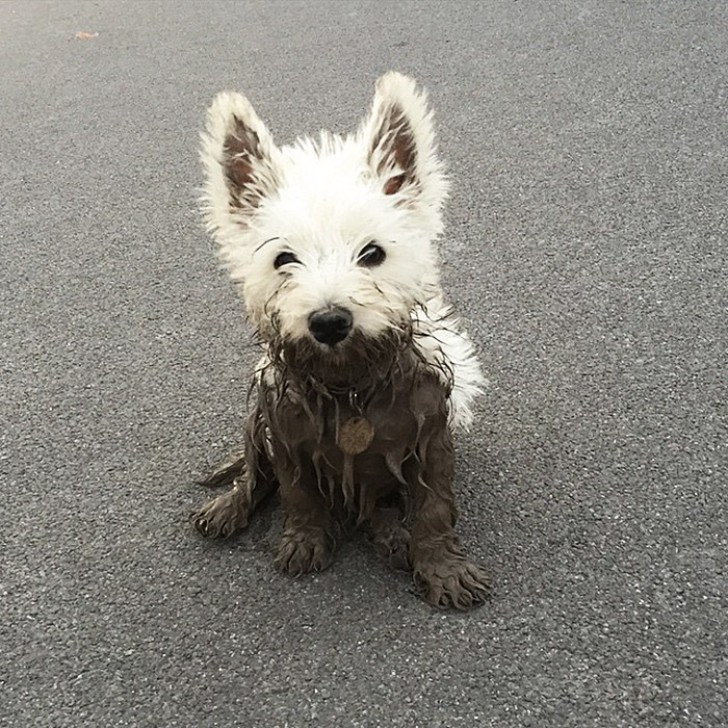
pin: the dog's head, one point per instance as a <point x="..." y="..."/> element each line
<point x="330" y="240"/>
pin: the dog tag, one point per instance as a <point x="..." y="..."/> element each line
<point x="355" y="435"/>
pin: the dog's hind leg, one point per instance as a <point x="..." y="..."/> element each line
<point x="225" y="472"/>
<point x="390" y="537"/>
<point x="230" y="512"/>
<point x="251" y="475"/>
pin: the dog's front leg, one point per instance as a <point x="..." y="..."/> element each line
<point x="442" y="572"/>
<point x="307" y="542"/>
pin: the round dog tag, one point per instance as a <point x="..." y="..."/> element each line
<point x="355" y="435"/>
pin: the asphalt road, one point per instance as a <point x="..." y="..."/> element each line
<point x="586" y="248"/>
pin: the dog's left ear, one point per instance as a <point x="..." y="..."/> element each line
<point x="400" y="143"/>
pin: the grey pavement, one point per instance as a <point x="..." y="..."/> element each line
<point x="586" y="249"/>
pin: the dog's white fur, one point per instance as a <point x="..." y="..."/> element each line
<point x="324" y="201"/>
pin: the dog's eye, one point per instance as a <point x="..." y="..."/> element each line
<point x="371" y="255"/>
<point x="284" y="259"/>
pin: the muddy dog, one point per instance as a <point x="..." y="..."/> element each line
<point x="366" y="373"/>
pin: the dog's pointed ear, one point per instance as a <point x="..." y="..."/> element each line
<point x="400" y="142"/>
<point x="242" y="163"/>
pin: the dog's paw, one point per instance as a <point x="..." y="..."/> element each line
<point x="394" y="546"/>
<point x="302" y="551"/>
<point x="222" y="516"/>
<point x="452" y="583"/>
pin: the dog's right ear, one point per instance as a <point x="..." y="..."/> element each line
<point x="241" y="161"/>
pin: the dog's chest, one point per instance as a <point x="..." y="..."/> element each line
<point x="378" y="429"/>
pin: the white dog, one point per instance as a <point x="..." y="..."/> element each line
<point x="365" y="371"/>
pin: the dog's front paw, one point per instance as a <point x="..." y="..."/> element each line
<point x="222" y="516"/>
<point x="452" y="583"/>
<point x="303" y="550"/>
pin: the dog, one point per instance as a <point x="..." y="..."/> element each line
<point x="365" y="372"/>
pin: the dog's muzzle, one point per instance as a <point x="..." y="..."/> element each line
<point x="330" y="326"/>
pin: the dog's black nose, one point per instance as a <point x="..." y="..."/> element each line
<point x="330" y="326"/>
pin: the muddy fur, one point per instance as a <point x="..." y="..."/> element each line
<point x="399" y="490"/>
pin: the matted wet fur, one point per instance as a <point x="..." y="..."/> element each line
<point x="361" y="385"/>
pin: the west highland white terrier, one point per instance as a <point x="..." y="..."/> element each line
<point x="365" y="372"/>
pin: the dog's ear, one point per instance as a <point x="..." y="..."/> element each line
<point x="400" y="142"/>
<point x="241" y="161"/>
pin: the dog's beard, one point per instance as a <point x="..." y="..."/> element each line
<point x="359" y="362"/>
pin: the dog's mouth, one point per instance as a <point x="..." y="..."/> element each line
<point x="351" y="360"/>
